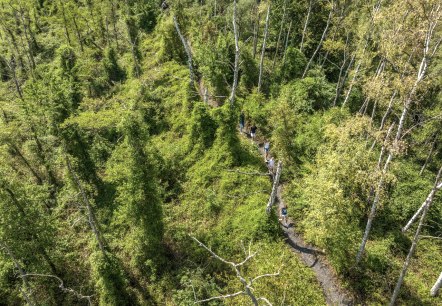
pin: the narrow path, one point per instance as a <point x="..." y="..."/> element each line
<point x="313" y="258"/>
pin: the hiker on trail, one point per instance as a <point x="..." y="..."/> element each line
<point x="241" y="122"/>
<point x="271" y="165"/>
<point x="253" y="132"/>
<point x="266" y="149"/>
<point x="284" y="215"/>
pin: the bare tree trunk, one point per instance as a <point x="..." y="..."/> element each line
<point x="91" y="217"/>
<point x="415" y="239"/>
<point x="418" y="212"/>
<point x="256" y="31"/>
<point x="248" y="284"/>
<point x="379" y="71"/>
<point x="388" y="111"/>
<point x="12" y="67"/>
<point x="27" y="38"/>
<point x="426" y="55"/>
<point x="427" y="160"/>
<point x="78" y="33"/>
<point x="324" y="34"/>
<point x="307" y="19"/>
<point x="279" y="35"/>
<point x="341" y="70"/>
<point x="16" y="150"/>
<point x="27" y="290"/>
<point x="188" y="51"/>
<point x="275" y="187"/>
<point x="263" y="49"/>
<point x="435" y="289"/>
<point x="286" y="43"/>
<point x="358" y="66"/>
<point x="353" y="81"/>
<point x="236" y="67"/>
<point x="65" y="22"/>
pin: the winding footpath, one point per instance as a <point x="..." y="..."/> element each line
<point x="315" y="259"/>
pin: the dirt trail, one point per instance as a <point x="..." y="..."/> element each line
<point x="313" y="258"/>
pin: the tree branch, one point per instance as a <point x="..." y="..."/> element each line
<point x="220" y="297"/>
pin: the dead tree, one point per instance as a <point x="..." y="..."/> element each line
<point x="428" y="159"/>
<point x="188" y="51"/>
<point x="263" y="49"/>
<point x="324" y="34"/>
<point x="376" y="9"/>
<point x="247" y="284"/>
<point x="428" y="202"/>
<point x="236" y="67"/>
<point x="274" y="188"/>
<point x="307" y="19"/>
<point x="27" y="292"/>
<point x="280" y="33"/>
<point x="63" y="287"/>
<point x="286" y="43"/>
<point x="420" y="210"/>
<point x="409" y="99"/>
<point x="435" y="289"/>
<point x="90" y="213"/>
<point x="341" y="79"/>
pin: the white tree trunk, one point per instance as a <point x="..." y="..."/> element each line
<point x="304" y="30"/>
<point x="279" y="35"/>
<point x="324" y="34"/>
<point x="236" y="67"/>
<point x="91" y="217"/>
<point x="27" y="293"/>
<point x="428" y="159"/>
<point x="275" y="187"/>
<point x="435" y="289"/>
<point x="286" y="43"/>
<point x="261" y="62"/>
<point x="418" y="212"/>
<point x="415" y="239"/>
<point x="434" y="17"/>
<point x="188" y="51"/>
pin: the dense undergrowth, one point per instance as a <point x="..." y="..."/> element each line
<point x="111" y="163"/>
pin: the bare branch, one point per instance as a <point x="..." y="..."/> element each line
<point x="264" y="275"/>
<point x="220" y="297"/>
<point x="62" y="287"/>
<point x="265" y="300"/>
<point x="213" y="253"/>
<point x="248" y="173"/>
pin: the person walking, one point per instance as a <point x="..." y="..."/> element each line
<point x="266" y="149"/>
<point x="253" y="132"/>
<point x="284" y="214"/>
<point x="242" y="120"/>
<point x="271" y="165"/>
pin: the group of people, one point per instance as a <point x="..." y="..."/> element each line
<point x="270" y="161"/>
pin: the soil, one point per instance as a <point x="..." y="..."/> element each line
<point x="334" y="292"/>
<point x="315" y="259"/>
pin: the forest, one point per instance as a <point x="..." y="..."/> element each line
<point x="126" y="179"/>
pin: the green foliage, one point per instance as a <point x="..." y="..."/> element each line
<point x="102" y="138"/>
<point x="114" y="72"/>
<point x="294" y="64"/>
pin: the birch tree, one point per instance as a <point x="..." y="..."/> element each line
<point x="426" y="54"/>
<point x="236" y="65"/>
<point x="427" y="206"/>
<point x="246" y="284"/>
<point x="263" y="49"/>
